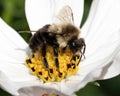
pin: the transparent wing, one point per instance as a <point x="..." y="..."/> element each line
<point x="65" y="15"/>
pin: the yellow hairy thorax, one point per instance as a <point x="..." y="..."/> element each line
<point x="67" y="66"/>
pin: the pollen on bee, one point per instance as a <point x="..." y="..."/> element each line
<point x="67" y="65"/>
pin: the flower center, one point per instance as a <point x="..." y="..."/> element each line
<point x="66" y="65"/>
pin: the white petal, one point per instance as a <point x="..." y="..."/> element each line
<point x="12" y="45"/>
<point x="13" y="74"/>
<point x="22" y="79"/>
<point x="39" y="91"/>
<point x="113" y="69"/>
<point x="11" y="36"/>
<point x="42" y="12"/>
<point x="102" y="35"/>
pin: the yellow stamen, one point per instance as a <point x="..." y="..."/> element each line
<point x="67" y="65"/>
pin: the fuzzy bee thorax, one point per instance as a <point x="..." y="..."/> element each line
<point x="65" y="31"/>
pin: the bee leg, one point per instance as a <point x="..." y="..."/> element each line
<point x="82" y="55"/>
<point x="75" y="57"/>
<point x="56" y="56"/>
<point x="44" y="55"/>
<point x="82" y="52"/>
<point x="84" y="47"/>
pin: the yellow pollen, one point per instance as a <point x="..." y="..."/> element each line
<point x="67" y="66"/>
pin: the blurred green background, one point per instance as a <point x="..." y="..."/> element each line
<point x="12" y="11"/>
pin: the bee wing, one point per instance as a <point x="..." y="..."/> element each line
<point x="65" y="15"/>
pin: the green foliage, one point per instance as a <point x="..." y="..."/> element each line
<point x="87" y="4"/>
<point x="3" y="93"/>
<point x="12" y="11"/>
<point x="92" y="90"/>
<point x="111" y="86"/>
<point x="108" y="87"/>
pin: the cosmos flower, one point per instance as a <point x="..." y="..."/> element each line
<point x="102" y="36"/>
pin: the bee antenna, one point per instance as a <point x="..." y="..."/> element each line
<point x="27" y="31"/>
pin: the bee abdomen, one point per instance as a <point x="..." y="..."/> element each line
<point x="35" y="42"/>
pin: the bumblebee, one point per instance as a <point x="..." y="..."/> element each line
<point x="59" y="35"/>
<point x="56" y="48"/>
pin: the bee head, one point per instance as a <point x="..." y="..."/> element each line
<point x="77" y="44"/>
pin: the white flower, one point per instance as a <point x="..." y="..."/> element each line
<point x="102" y="35"/>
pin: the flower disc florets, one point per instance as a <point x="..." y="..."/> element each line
<point x="67" y="66"/>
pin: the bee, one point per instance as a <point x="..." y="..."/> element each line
<point x="59" y="35"/>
